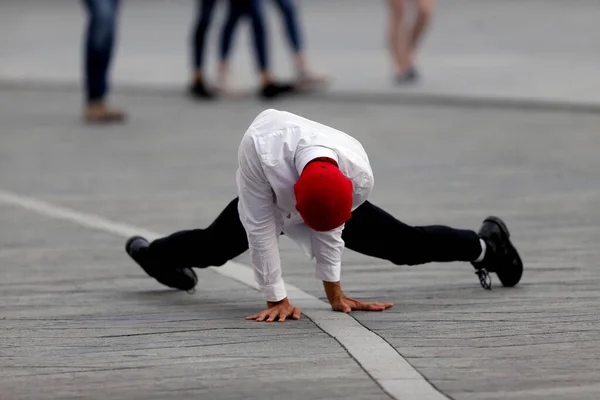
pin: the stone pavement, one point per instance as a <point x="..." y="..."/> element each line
<point x="477" y="49"/>
<point x="79" y="320"/>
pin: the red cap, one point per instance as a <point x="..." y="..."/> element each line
<point x="323" y="196"/>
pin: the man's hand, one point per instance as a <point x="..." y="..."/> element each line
<point x="339" y="301"/>
<point x="282" y="309"/>
<point x="347" y="304"/>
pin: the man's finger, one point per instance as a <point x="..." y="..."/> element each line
<point x="367" y="306"/>
<point x="273" y="315"/>
<point x="262" y="316"/>
<point x="370" y="307"/>
<point x="252" y="317"/>
<point x="296" y="313"/>
<point x="360" y="305"/>
<point x="385" y="306"/>
<point x="283" y="315"/>
<point x="341" y="307"/>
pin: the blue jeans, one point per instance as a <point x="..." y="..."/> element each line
<point x="290" y="17"/>
<point x="253" y="10"/>
<point x="205" y="13"/>
<point x="99" y="43"/>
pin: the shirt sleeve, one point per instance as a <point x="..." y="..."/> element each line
<point x="257" y="214"/>
<point x="328" y="248"/>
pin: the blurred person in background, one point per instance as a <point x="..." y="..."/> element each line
<point x="199" y="87"/>
<point x="253" y="10"/>
<point x="403" y="40"/>
<point x="289" y="13"/>
<point x="99" y="46"/>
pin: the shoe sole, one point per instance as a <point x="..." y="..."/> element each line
<point x="127" y="250"/>
<point x="128" y="245"/>
<point x="130" y="240"/>
<point x="509" y="280"/>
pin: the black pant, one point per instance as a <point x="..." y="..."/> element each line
<point x="370" y="231"/>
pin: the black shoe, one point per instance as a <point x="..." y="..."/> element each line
<point x="178" y="278"/>
<point x="273" y="90"/>
<point x="200" y="91"/>
<point x="500" y="256"/>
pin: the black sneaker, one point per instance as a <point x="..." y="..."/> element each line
<point x="501" y="257"/>
<point x="273" y="90"/>
<point x="178" y="278"/>
<point x="200" y="91"/>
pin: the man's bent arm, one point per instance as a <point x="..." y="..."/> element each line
<point x="257" y="214"/>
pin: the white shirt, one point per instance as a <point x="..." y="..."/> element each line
<point x="272" y="154"/>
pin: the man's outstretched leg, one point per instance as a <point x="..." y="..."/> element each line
<point x="170" y="259"/>
<point x="374" y="232"/>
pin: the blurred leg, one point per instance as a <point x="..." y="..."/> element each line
<point x="397" y="36"/>
<point x="237" y="8"/>
<point x="306" y="78"/>
<point x="290" y="18"/>
<point x="424" y="13"/>
<point x="269" y="89"/>
<point x="100" y="38"/>
<point x="260" y="40"/>
<point x="253" y="9"/>
<point x="205" y="12"/>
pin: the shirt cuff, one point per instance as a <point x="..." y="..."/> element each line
<point x="274" y="292"/>
<point x="329" y="273"/>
